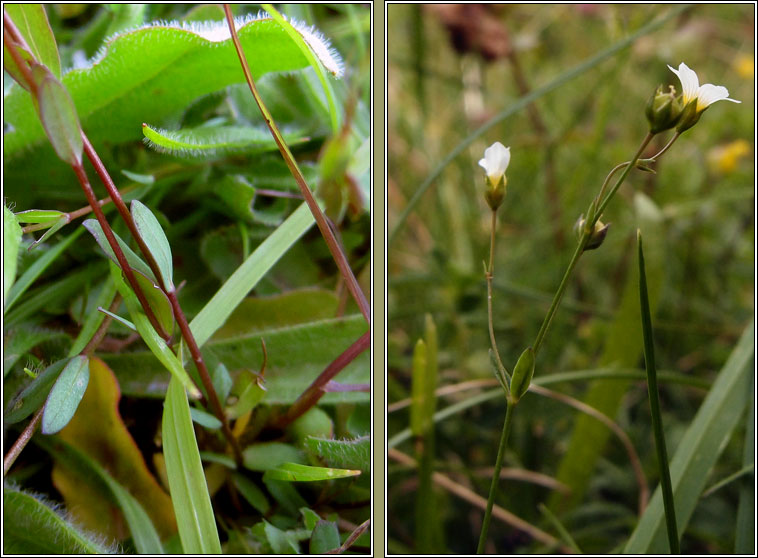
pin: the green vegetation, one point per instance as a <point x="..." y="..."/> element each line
<point x="566" y="88"/>
<point x="185" y="352"/>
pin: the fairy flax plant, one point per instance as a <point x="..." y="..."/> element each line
<point x="664" y="111"/>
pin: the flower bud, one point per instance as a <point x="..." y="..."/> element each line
<point x="522" y="375"/>
<point x="596" y="237"/>
<point x="496" y="159"/>
<point x="663" y="110"/>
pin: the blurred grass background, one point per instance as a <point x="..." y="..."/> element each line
<point x="451" y="69"/>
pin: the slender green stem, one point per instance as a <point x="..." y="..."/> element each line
<point x="587" y="231"/>
<point x="496" y="477"/>
<point x="490" y="275"/>
<point x="559" y="293"/>
<point x="620" y="181"/>
<point x="666" y="147"/>
<point x="655" y="407"/>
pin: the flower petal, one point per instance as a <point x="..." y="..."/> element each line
<point x="690" y="83"/>
<point x="496" y="160"/>
<point x="709" y="94"/>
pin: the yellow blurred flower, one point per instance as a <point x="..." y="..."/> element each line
<point x="724" y="158"/>
<point x="744" y="65"/>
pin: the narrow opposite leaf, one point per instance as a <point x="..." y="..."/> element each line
<point x="59" y="118"/>
<point x="135" y="262"/>
<point x="66" y="395"/>
<point x="189" y="491"/>
<point x="655" y="407"/>
<point x="152" y="233"/>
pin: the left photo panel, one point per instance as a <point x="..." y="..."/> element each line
<point x="187" y="254"/>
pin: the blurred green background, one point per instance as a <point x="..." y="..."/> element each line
<point x="452" y="68"/>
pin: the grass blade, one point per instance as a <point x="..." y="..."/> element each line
<point x="220" y="307"/>
<point x="744" y="539"/>
<point x="189" y="491"/>
<point x="655" y="406"/>
<point x="699" y="448"/>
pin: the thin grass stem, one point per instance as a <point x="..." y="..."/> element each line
<point x="496" y="477"/>
<point x="655" y="407"/>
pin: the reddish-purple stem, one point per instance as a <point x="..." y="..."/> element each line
<point x="317" y="389"/>
<point x="181" y="319"/>
<point x="337" y="254"/>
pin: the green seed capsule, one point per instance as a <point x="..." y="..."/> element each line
<point x="522" y="374"/>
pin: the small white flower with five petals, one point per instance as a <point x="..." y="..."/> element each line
<point x="706" y="94"/>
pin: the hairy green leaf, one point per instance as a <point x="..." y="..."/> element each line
<point x="31" y="525"/>
<point x="213" y="141"/>
<point x="347" y="454"/>
<point x="131" y="82"/>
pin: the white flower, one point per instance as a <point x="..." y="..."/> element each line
<point x="495" y="162"/>
<point x="706" y="94"/>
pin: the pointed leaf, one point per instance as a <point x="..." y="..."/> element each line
<point x="189" y="492"/>
<point x="152" y="233"/>
<point x="63" y="220"/>
<point x="11" y="244"/>
<point x="699" y="449"/>
<point x="59" y="118"/>
<point x="158" y="301"/>
<point x="135" y="262"/>
<point x="295" y="472"/>
<point x="33" y="396"/>
<point x="66" y="395"/>
<point x="216" y="141"/>
<point x="254" y="495"/>
<point x="36" y="216"/>
<point x="155" y="342"/>
<point x="31" y="21"/>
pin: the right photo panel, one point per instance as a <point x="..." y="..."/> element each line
<point x="570" y="279"/>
